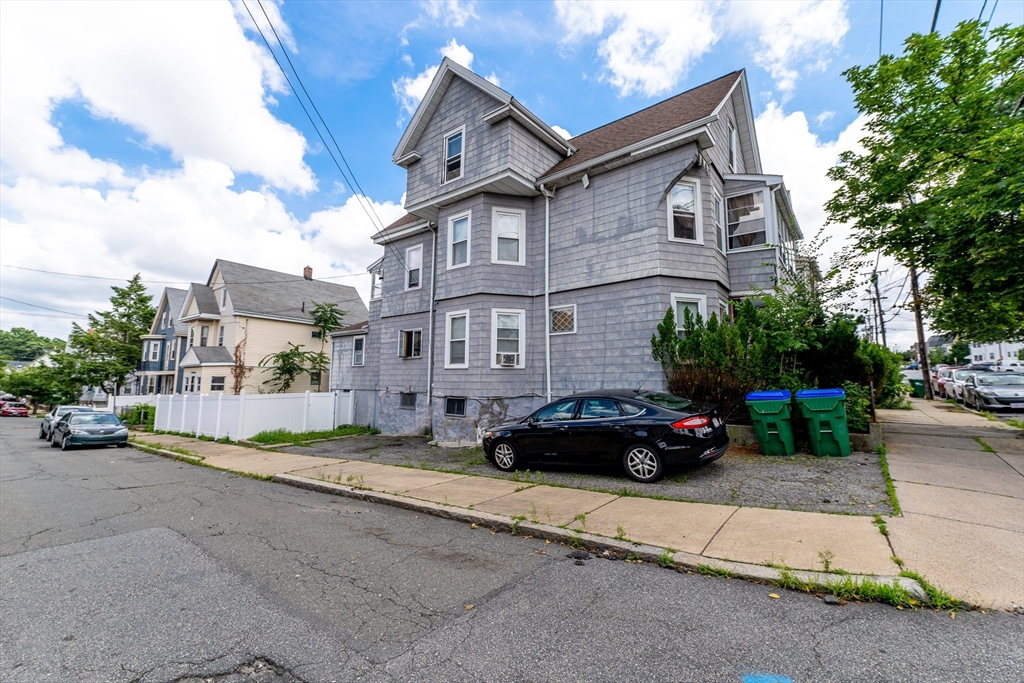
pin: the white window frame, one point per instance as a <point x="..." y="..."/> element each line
<point x="698" y="222"/>
<point x="555" y="308"/>
<point x="223" y="297"/>
<point x="191" y="336"/>
<point x="495" y="312"/>
<point x="172" y="351"/>
<point x="418" y="247"/>
<point x="154" y="351"/>
<point x="376" y="286"/>
<point x="401" y="342"/>
<point x="464" y="400"/>
<point x="494" y="236"/>
<point x="220" y="335"/>
<point x="362" y="351"/>
<point x="733" y="148"/>
<point x="767" y="206"/>
<point x="469" y="239"/>
<point x="448" y="340"/>
<point x="700" y="299"/>
<point x="444" y="155"/>
<point x="721" y="236"/>
<point x="223" y="383"/>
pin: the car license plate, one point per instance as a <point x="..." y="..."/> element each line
<point x="1017" y="405"/>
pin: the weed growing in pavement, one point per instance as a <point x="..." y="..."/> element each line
<point x="937" y="598"/>
<point x="355" y="481"/>
<point x="1019" y="424"/>
<point x="582" y="519"/>
<point x="620" y="533"/>
<point x="897" y="561"/>
<point x="708" y="570"/>
<point x="988" y="415"/>
<point x="847" y="588"/>
<point x="880" y="523"/>
<point x="575" y="541"/>
<point x="890" y="488"/>
<point x="533" y="514"/>
<point x="665" y="560"/>
<point x="516" y="521"/>
<point x="826" y="556"/>
<point x="633" y="557"/>
<point x="286" y="436"/>
<point x="984" y="446"/>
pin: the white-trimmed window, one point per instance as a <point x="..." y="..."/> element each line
<point x="717" y="208"/>
<point x="455" y="406"/>
<point x="163" y="320"/>
<point x="458" y="240"/>
<point x="562" y="319"/>
<point x="204" y="334"/>
<point x="507" y="245"/>
<point x="358" y="350"/>
<point x="191" y="336"/>
<point x="376" y="285"/>
<point x="314" y="379"/>
<point x="746" y="220"/>
<point x="456" y="339"/>
<point x="220" y="336"/>
<point x="454" y="145"/>
<point x="223" y="297"/>
<point x="217" y="383"/>
<point x="732" y="148"/>
<point x="172" y="350"/>
<point x="410" y="343"/>
<point x="695" y="303"/>
<point x="508" y="330"/>
<point x="414" y="267"/>
<point x="684" y="220"/>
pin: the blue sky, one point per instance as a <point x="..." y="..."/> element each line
<point x="156" y="137"/>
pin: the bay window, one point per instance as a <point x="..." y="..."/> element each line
<point x="746" y="220"/>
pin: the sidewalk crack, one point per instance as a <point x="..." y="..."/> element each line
<point x="718" y="531"/>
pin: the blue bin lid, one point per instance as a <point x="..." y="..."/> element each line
<point x="776" y="395"/>
<point x="821" y="393"/>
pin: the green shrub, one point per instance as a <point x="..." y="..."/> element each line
<point x="858" y="407"/>
<point x="141" y="415"/>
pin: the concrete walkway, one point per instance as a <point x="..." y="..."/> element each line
<point x="969" y="552"/>
<point x="960" y="482"/>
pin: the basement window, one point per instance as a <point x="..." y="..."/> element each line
<point x="455" y="407"/>
<point x="408" y="401"/>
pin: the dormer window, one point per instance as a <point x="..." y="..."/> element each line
<point x="223" y="297"/>
<point x="732" y="148"/>
<point x="453" y="155"/>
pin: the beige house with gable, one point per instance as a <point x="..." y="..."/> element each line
<point x="252" y="312"/>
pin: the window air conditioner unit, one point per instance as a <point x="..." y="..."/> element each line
<point x="508" y="360"/>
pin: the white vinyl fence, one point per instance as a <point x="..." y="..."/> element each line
<point x="122" y="403"/>
<point x="242" y="416"/>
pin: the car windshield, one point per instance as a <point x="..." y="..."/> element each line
<point x="15" y="405"/>
<point x="95" y="419"/>
<point x="72" y="409"/>
<point x="1000" y="380"/>
<point x="964" y="374"/>
<point x="665" y="400"/>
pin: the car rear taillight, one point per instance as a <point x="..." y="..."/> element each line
<point x="694" y="422"/>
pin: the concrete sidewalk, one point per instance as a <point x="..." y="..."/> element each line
<point x="714" y="533"/>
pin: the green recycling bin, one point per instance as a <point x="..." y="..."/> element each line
<point x="771" y="415"/>
<point x="918" y="386"/>
<point x="825" y="412"/>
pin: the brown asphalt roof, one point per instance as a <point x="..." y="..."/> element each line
<point x="658" y="118"/>
<point x="407" y="219"/>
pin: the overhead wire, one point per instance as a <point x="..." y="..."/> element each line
<point x="55" y="310"/>
<point x="369" y="212"/>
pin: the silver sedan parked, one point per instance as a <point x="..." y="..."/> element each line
<point x="994" y="390"/>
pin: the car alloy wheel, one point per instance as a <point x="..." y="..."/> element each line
<point x="53" y="444"/>
<point x="505" y="456"/>
<point x="642" y="463"/>
<point x="65" y="443"/>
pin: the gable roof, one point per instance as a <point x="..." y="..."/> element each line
<point x="409" y="222"/>
<point x="207" y="354"/>
<point x="171" y="301"/>
<point x="268" y="293"/>
<point x="445" y="73"/>
<point x="206" y="302"/>
<point x="675" y="112"/>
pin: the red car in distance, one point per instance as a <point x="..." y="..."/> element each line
<point x="14" y="410"/>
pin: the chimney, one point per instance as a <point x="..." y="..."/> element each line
<point x="307" y="273"/>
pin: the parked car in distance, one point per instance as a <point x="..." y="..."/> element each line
<point x="955" y="384"/>
<point x="87" y="428"/>
<point x="939" y="380"/>
<point x="1012" y="366"/>
<point x="11" y="409"/>
<point x="994" y="391"/>
<point x="644" y="431"/>
<point x="913" y="366"/>
<point x="52" y="417"/>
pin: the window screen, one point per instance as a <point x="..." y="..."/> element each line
<point x="408" y="401"/>
<point x="455" y="407"/>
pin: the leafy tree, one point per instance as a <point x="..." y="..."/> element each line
<point x="958" y="352"/>
<point x="109" y="350"/>
<point x="285" y="366"/>
<point x="940" y="183"/>
<point x="24" y="344"/>
<point x="326" y="318"/>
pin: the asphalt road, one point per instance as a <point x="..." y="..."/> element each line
<point x="116" y="565"/>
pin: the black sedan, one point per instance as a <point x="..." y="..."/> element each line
<point x="51" y="419"/>
<point x="89" y="429"/>
<point x="646" y="431"/>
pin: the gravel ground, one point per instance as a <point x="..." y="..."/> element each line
<point x="852" y="485"/>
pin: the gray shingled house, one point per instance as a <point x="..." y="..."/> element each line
<point x="158" y="371"/>
<point x="530" y="266"/>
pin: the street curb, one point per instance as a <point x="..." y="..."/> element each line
<point x="647" y="553"/>
<point x="193" y="459"/>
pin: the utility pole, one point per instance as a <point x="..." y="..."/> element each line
<point x="881" y="315"/>
<point x="921" y="346"/>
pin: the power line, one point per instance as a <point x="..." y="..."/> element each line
<point x="55" y="310"/>
<point x="369" y="214"/>
<point x="12" y="311"/>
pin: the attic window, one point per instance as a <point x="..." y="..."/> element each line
<point x="732" y="148"/>
<point x="223" y="297"/>
<point x="453" y="156"/>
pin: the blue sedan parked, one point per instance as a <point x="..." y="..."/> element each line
<point x="89" y="429"/>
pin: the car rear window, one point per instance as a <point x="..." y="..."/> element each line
<point x="597" y="408"/>
<point x="992" y="380"/>
<point x="665" y="400"/>
<point x="95" y="418"/>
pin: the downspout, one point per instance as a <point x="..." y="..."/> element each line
<point x="548" y="194"/>
<point x="430" y="325"/>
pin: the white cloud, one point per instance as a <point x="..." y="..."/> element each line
<point x="791" y="33"/>
<point x="182" y="74"/>
<point x="651" y="46"/>
<point x="409" y="90"/>
<point x="493" y="78"/>
<point x="562" y="131"/>
<point x="273" y="12"/>
<point x="170" y="226"/>
<point x="451" y="12"/>
<point x="824" y="117"/>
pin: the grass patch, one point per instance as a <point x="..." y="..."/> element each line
<point x="1019" y="424"/>
<point x="937" y="598"/>
<point x="846" y="588"/>
<point x="708" y="570"/>
<point x="890" y="488"/>
<point x="984" y="446"/>
<point x="516" y="521"/>
<point x="286" y="436"/>
<point x="880" y="523"/>
<point x="666" y="560"/>
<point x="988" y="415"/>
